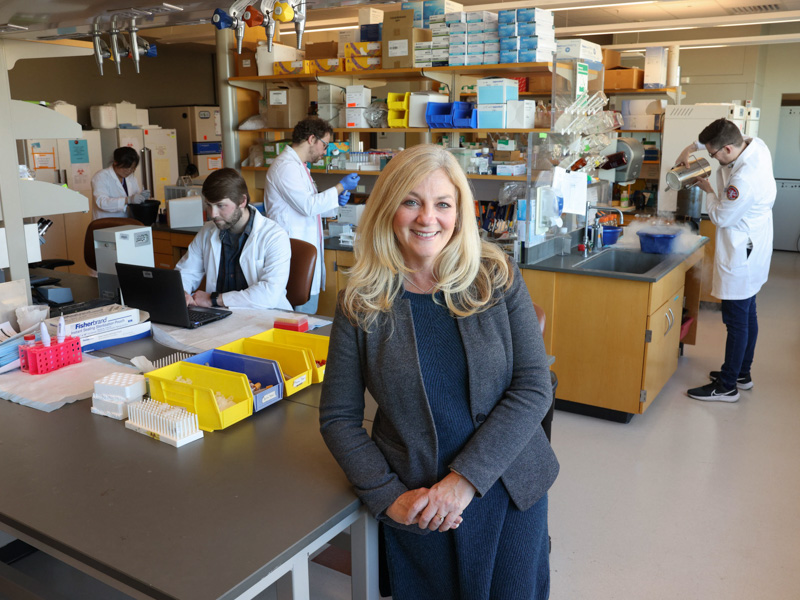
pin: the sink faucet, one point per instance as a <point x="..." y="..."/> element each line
<point x="597" y="239"/>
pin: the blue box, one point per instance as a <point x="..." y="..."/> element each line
<point x="507" y="16"/>
<point x="492" y="116"/>
<point x="537" y="15"/>
<point x="206" y="147"/>
<point x="532" y="42"/>
<point x="496" y="90"/>
<point x="507" y="44"/>
<point x="257" y="370"/>
<point x="505" y="30"/>
<point x="510" y="56"/>
<point x="418" y="11"/>
<point x="372" y="32"/>
<point x="541" y="29"/>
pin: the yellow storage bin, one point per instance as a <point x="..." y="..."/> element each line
<point x="295" y="363"/>
<point x="398" y="118"/>
<point x="397" y="100"/>
<point x="317" y="345"/>
<point x="199" y="396"/>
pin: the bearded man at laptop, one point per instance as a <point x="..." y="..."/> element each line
<point x="243" y="256"/>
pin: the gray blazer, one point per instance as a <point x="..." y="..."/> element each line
<point x="509" y="391"/>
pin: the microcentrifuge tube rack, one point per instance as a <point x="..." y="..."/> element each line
<point x="173" y="425"/>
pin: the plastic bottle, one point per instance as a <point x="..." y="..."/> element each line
<point x="563" y="242"/>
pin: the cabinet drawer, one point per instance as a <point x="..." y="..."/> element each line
<point x="663" y="290"/>
<point x="162" y="246"/>
<point x="181" y="240"/>
<point x="164" y="261"/>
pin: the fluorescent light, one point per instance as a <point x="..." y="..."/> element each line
<point x="289" y="31"/>
<point x="759" y="23"/>
<point x="636" y="31"/>
<point x="704" y="47"/>
<point x="604" y="5"/>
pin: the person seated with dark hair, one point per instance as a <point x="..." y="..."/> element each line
<point x="291" y="197"/>
<point x="115" y="187"/>
<point x="243" y="256"/>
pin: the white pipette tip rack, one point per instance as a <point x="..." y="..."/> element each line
<point x="115" y="391"/>
<point x="173" y="425"/>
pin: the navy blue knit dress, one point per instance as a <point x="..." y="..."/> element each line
<point x="498" y="552"/>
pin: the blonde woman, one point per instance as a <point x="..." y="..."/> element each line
<point x="440" y="329"/>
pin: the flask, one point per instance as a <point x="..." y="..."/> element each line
<point x="563" y="242"/>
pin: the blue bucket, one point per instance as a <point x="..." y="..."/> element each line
<point x="657" y="241"/>
<point x="611" y="235"/>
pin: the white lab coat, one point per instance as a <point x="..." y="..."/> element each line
<point x="291" y="199"/>
<point x="264" y="260"/>
<point x="110" y="199"/>
<point x="742" y="211"/>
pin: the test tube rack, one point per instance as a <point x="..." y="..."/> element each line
<point x="172" y="425"/>
<point x="39" y="359"/>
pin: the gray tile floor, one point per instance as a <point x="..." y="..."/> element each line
<point x="692" y="500"/>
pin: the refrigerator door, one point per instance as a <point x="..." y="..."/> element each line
<point x="786" y="162"/>
<point x="786" y="216"/>
<point x="163" y="147"/>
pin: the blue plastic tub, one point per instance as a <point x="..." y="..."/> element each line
<point x="611" y="235"/>
<point x="257" y="370"/>
<point x="464" y="116"/>
<point x="657" y="241"/>
<point x="437" y="114"/>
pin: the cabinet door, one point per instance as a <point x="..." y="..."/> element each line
<point x="661" y="353"/>
<point x="344" y="260"/>
<point x="327" y="297"/>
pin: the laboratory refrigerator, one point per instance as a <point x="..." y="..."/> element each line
<point x="163" y="148"/>
<point x="70" y="162"/>
<point x="786" y="167"/>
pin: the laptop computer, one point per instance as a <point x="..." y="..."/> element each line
<point x="160" y="292"/>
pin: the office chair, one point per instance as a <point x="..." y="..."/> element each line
<point x="301" y="272"/>
<point x="88" y="240"/>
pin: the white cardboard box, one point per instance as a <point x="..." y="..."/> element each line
<point x="355" y="118"/>
<point x="358" y="96"/>
<point x="280" y="52"/>
<point x="418" y="103"/>
<point x="579" y="49"/>
<point x="185" y="212"/>
<point x="126" y="113"/>
<point x="330" y="94"/>
<point x="350" y="213"/>
<point x="520" y="114"/>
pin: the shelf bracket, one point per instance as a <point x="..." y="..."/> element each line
<point x="255" y="86"/>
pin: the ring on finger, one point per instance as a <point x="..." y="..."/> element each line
<point x="441" y="517"/>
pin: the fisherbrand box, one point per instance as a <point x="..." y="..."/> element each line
<point x="95" y="321"/>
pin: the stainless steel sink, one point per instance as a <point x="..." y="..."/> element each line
<point x="622" y="261"/>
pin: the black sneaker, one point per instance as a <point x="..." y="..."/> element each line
<point x="714" y="392"/>
<point x="743" y="383"/>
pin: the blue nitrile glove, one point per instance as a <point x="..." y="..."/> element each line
<point x="344" y="198"/>
<point x="349" y="182"/>
<point x="144" y="195"/>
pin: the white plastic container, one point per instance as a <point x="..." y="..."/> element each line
<point x="103" y="116"/>
<point x="563" y="242"/>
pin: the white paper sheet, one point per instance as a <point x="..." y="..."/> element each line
<point x="244" y="322"/>
<point x="53" y="390"/>
<point x="574" y="187"/>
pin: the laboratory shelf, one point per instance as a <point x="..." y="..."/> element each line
<point x="30" y="121"/>
<point x="382" y="130"/>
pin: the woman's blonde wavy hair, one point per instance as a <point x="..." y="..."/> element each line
<point x="468" y="269"/>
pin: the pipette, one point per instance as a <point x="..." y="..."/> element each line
<point x="62" y="330"/>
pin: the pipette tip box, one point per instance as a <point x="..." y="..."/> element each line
<point x="114" y="392"/>
<point x="172" y="425"/>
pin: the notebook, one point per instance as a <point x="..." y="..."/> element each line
<point x="160" y="292"/>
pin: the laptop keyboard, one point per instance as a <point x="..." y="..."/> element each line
<point x="199" y="316"/>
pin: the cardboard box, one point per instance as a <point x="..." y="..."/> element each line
<point x="520" y="114"/>
<point x="611" y="59"/>
<point x="370" y="16"/>
<point x="371" y="33"/>
<point x="543" y="30"/>
<point x="456" y="16"/>
<point x="439" y="7"/>
<point x="416" y="8"/>
<point x="474" y="59"/>
<point x="507" y="16"/>
<point x="362" y="63"/>
<point x="514" y="169"/>
<point x="644" y="106"/>
<point x="327" y="65"/>
<point x="508" y="155"/>
<point x="491" y="58"/>
<point x="246" y="65"/>
<point x="507" y="30"/>
<point x="95" y="320"/>
<point x="347" y="36"/>
<point x="358" y="96"/>
<point x="655" y="67"/>
<point x="537" y="15"/>
<point x="399" y="37"/>
<point x="536" y="56"/>
<point x="579" y="49"/>
<point x="322" y="50"/>
<point x="354" y="118"/>
<point x="352" y="49"/>
<point x="293" y="67"/>
<point x="457" y="60"/>
<point x="491" y="116"/>
<point x="266" y="60"/>
<point x="330" y="94"/>
<point x="286" y="106"/>
<point x="496" y="90"/>
<point x="509" y="44"/>
<point x="624" y="79"/>
<point x="509" y="56"/>
<point x="642" y="122"/>
<point x="649" y="171"/>
<point x="535" y="42"/>
<point x="350" y="213"/>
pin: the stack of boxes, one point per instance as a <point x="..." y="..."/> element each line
<point x="362" y="56"/>
<point x="357" y="99"/>
<point x="526" y="35"/>
<point x="425" y="12"/>
<point x="399" y="40"/>
<point x="440" y="40"/>
<point x="323" y="55"/>
<point x="493" y="94"/>
<point x="330" y="104"/>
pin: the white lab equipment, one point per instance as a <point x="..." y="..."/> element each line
<point x="114" y="392"/>
<point x="32" y="246"/>
<point x="185" y="212"/>
<point x="129" y="244"/>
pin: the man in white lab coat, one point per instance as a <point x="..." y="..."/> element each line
<point x="115" y="187"/>
<point x="243" y="256"/>
<point x="292" y="200"/>
<point x="742" y="212"/>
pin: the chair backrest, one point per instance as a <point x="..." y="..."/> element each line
<point x="301" y="272"/>
<point x="88" y="240"/>
<point x="540" y="315"/>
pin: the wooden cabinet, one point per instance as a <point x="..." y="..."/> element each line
<point x="616" y="341"/>
<point x="169" y="247"/>
<point x="336" y="263"/>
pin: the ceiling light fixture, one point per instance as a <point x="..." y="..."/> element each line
<point x="751" y="40"/>
<point x="637" y="31"/>
<point x="758" y="23"/>
<point x="602" y="5"/>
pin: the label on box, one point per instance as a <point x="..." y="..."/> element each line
<point x="398" y="48"/>
<point x="278" y="98"/>
<point x="96" y="320"/>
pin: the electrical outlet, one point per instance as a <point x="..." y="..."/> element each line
<point x="382" y="134"/>
<point x="361" y="189"/>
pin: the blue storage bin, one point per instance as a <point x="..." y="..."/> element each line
<point x="611" y="235"/>
<point x="464" y="115"/>
<point x="657" y="241"/>
<point x="257" y="370"/>
<point x="437" y="114"/>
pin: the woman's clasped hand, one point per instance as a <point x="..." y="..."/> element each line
<point x="438" y="508"/>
